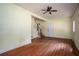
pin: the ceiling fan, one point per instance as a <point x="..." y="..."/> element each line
<point x="49" y="10"/>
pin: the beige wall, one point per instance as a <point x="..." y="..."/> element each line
<point x="44" y="26"/>
<point x="62" y="27"/>
<point x="76" y="33"/>
<point x="15" y="27"/>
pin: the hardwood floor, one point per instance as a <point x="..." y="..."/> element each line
<point x="46" y="47"/>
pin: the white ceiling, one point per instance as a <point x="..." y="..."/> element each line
<point x="64" y="9"/>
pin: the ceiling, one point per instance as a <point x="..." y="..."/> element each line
<point x="64" y="9"/>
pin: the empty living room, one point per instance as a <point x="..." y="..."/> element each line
<point x="39" y="29"/>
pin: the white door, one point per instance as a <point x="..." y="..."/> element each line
<point x="50" y="30"/>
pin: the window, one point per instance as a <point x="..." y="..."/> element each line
<point x="73" y="26"/>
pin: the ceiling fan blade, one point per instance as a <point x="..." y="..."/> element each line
<point x="50" y="13"/>
<point x="53" y="10"/>
<point x="45" y="12"/>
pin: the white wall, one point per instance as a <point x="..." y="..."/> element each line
<point x="76" y="33"/>
<point x="15" y="27"/>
